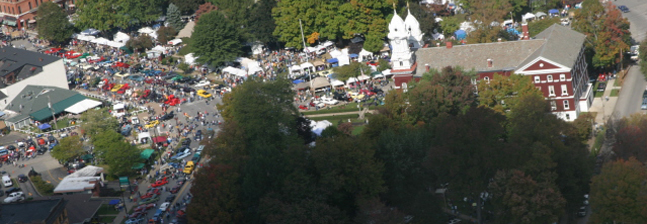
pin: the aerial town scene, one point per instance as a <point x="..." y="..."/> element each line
<point x="323" y="111"/>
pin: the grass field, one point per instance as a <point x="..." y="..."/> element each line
<point x="339" y="109"/>
<point x="614" y="92"/>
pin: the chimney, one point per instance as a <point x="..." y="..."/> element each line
<point x="524" y="31"/>
<point x="489" y="63"/>
<point x="449" y="44"/>
<point x="40" y="59"/>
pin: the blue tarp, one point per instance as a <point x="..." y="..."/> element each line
<point x="553" y="11"/>
<point x="297" y="81"/>
<point x="114" y="202"/>
<point x="332" y="60"/>
<point x="460" y="34"/>
<point x="44" y="126"/>
<point x="353" y="55"/>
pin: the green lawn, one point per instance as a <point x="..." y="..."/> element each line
<point x="597" y="93"/>
<point x="358" y="129"/>
<point x="340" y="109"/>
<point x="106" y="209"/>
<point x="187" y="48"/>
<point x="614" y="92"/>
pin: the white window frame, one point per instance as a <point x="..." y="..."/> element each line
<point x="562" y="77"/>
<point x="537" y="79"/>
<point x="567" y="106"/>
<point x="564" y="90"/>
<point x="551" y="90"/>
<point x="553" y="105"/>
<point x="487" y="79"/>
<point x="549" y="78"/>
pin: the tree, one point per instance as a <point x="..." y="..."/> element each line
<point x="374" y="211"/>
<point x="629" y="138"/>
<point x="382" y="65"/>
<point x="187" y="6"/>
<point x="140" y="43"/>
<point x="487" y="12"/>
<point x="618" y="194"/>
<point x="139" y="12"/>
<point x="217" y="196"/>
<point x="237" y="12"/>
<point x="215" y="39"/>
<point x="449" y="25"/>
<point x="111" y="149"/>
<point x="52" y="23"/>
<point x="537" y="26"/>
<point x="104" y="15"/>
<point x="584" y="125"/>
<point x="520" y="199"/>
<point x="448" y="91"/>
<point x="204" y="9"/>
<point x="98" y="121"/>
<point x="353" y="70"/>
<point x="68" y="149"/>
<point x="502" y="92"/>
<point x="261" y="22"/>
<point x="173" y="15"/>
<point x="427" y="19"/>
<point x="165" y="33"/>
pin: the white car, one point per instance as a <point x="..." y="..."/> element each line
<point x="14" y="197"/>
<point x="203" y="83"/>
<point x="329" y="101"/>
<point x="164" y="206"/>
<point x="134" y="120"/>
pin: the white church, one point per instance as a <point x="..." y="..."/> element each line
<point x="404" y="37"/>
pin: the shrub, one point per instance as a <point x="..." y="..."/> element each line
<point x="44" y="188"/>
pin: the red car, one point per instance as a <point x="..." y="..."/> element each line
<point x="151" y="192"/>
<point x="97" y="60"/>
<point x="175" y="190"/>
<point x="71" y="54"/>
<point x="53" y="50"/>
<point x="373" y="63"/>
<point x="159" y="183"/>
<point x="303" y="107"/>
<point x="123" y="89"/>
<point x="121" y="64"/>
<point x="136" y="215"/>
<point x="149" y="80"/>
<point x="144" y="207"/>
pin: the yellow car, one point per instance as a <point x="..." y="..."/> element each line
<point x="204" y="93"/>
<point x="116" y="87"/>
<point x="152" y="124"/>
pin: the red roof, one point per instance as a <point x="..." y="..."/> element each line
<point x="159" y="139"/>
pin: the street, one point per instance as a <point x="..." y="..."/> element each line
<point x="630" y="97"/>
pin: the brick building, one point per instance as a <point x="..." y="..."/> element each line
<point x="21" y="13"/>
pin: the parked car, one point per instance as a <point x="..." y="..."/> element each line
<point x="149" y="200"/>
<point x="14" y="197"/>
<point x="582" y="211"/>
<point x="159" y="183"/>
<point x="134" y="221"/>
<point x="22" y="178"/>
<point x="170" y="198"/>
<point x="181" y="155"/>
<point x="623" y="8"/>
<point x="601" y="87"/>
<point x="11" y="190"/>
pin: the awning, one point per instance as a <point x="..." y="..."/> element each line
<point x="332" y="60"/>
<point x="82" y="106"/>
<point x="44" y="126"/>
<point x="9" y="23"/>
<point x="114" y="202"/>
<point x="59" y="107"/>
<point x="137" y="166"/>
<point x="553" y="11"/>
<point x="146" y="154"/>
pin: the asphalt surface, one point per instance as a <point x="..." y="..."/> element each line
<point x="630" y="97"/>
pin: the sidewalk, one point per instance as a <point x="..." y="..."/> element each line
<point x="603" y="107"/>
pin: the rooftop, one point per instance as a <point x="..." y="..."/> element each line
<point x="18" y="64"/>
<point x="33" y="101"/>
<point x="39" y="211"/>
<point x="80" y="207"/>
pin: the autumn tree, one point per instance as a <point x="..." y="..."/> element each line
<point x="204" y="9"/>
<point x="217" y="196"/>
<point x="165" y="33"/>
<point x="630" y="141"/>
<point x="187" y="6"/>
<point x="353" y="70"/>
<point x="140" y="43"/>
<point x="619" y="194"/>
<point x="503" y="92"/>
<point x="519" y="198"/>
<point x="68" y="149"/>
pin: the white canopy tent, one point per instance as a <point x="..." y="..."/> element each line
<point x="146" y="30"/>
<point x="85" y="37"/>
<point x="335" y="54"/>
<point x="318" y="126"/>
<point x="363" y="77"/>
<point x="175" y="41"/>
<point x="235" y="71"/>
<point x="100" y="40"/>
<point x="528" y="16"/>
<point x="336" y="83"/>
<point x="307" y="66"/>
<point x="343" y="60"/>
<point x="190" y="59"/>
<point x="82" y="106"/>
<point x="351" y="80"/>
<point x="143" y="135"/>
<point x="364" y="54"/>
<point x="115" y="44"/>
<point x="295" y="69"/>
<point x="540" y="14"/>
<point x="328" y="43"/>
<point x="121" y="37"/>
<point x="159" y="48"/>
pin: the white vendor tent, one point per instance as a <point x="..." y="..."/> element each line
<point x="85" y="38"/>
<point x="335" y="54"/>
<point x="295" y="69"/>
<point x="307" y="66"/>
<point x="318" y="126"/>
<point x="115" y="44"/>
<point x="159" y="48"/>
<point x="365" y="54"/>
<point x="121" y="37"/>
<point x="363" y="77"/>
<point x="235" y="71"/>
<point x="343" y="60"/>
<point x="528" y="16"/>
<point x="146" y="30"/>
<point x="143" y="135"/>
<point x="100" y="40"/>
<point x="351" y="80"/>
<point x="82" y="106"/>
<point x="175" y="41"/>
<point x="336" y="83"/>
<point x="118" y="106"/>
<point x="190" y="59"/>
<point x="320" y="82"/>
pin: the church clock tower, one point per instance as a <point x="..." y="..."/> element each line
<point x="401" y="54"/>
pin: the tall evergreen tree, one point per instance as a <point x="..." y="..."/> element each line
<point x="216" y="39"/>
<point x="173" y="16"/>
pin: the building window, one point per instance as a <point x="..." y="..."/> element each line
<point x="566" y="106"/>
<point x="487" y="79"/>
<point x="568" y="117"/>
<point x="29" y="5"/>
<point x="553" y="105"/>
<point x="36" y="3"/>
<point x="549" y="78"/>
<point x="564" y="90"/>
<point x="562" y="77"/>
<point x="19" y="10"/>
<point x="401" y="63"/>
<point x="537" y="79"/>
<point x="551" y="90"/>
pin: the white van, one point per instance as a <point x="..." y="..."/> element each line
<point x="6" y="181"/>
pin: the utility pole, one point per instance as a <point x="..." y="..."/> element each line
<point x="304" y="39"/>
<point x="49" y="104"/>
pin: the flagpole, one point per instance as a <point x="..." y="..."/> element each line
<point x="304" y="39"/>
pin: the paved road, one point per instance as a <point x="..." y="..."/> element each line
<point x="631" y="95"/>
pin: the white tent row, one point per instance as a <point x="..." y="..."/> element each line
<point x="250" y="65"/>
<point x="159" y="48"/>
<point x="121" y="37"/>
<point x="85" y="37"/>
<point x="100" y="40"/>
<point x="82" y="106"/>
<point x="235" y="71"/>
<point x="115" y="44"/>
<point x="336" y="83"/>
<point x="175" y="41"/>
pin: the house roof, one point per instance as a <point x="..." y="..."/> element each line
<point x="504" y="55"/>
<point x="33" y="101"/>
<point x="23" y="63"/>
<point x="39" y="211"/>
<point x="80" y="207"/>
<point x="562" y="46"/>
<point x="557" y="43"/>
